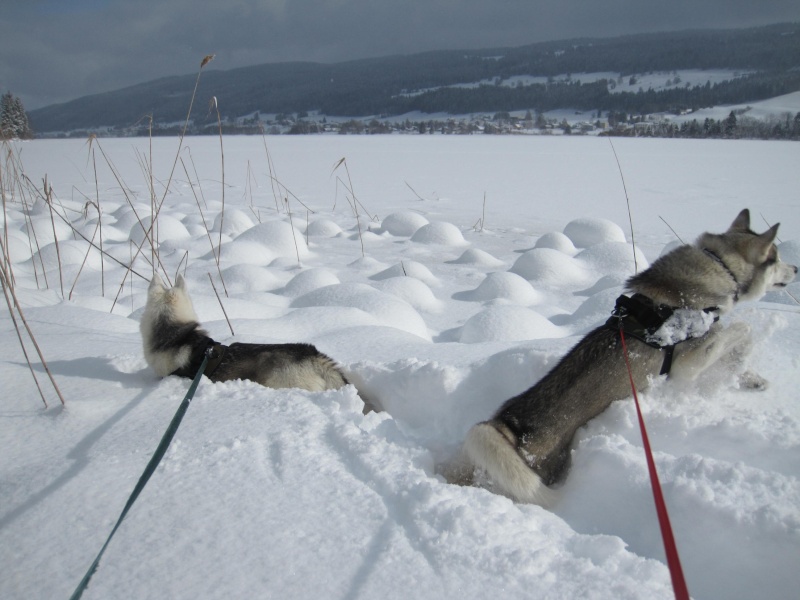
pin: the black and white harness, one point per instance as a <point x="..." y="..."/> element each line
<point x="639" y="317"/>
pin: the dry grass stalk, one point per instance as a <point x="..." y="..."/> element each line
<point x="415" y="191"/>
<point x="5" y="278"/>
<point x="480" y="222"/>
<point x="48" y="193"/>
<point x="675" y="233"/>
<point x="100" y="224"/>
<point x="628" y="201"/>
<point x="355" y="203"/>
<point x="19" y="333"/>
<point x="220" y="303"/>
<point x="272" y="178"/>
<point x="205" y="226"/>
<point x="222" y="155"/>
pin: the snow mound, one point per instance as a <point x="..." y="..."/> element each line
<point x="594" y="311"/>
<point x="387" y="309"/>
<point x="241" y="251"/>
<point x="409" y="268"/>
<point x="323" y="228"/>
<point x="670" y="247"/>
<point x="413" y="291"/>
<point x="508" y="323"/>
<point x="585" y="232"/>
<point x="310" y="280"/>
<point x="233" y="222"/>
<point x="41" y="230"/>
<point x="167" y="228"/>
<point x="69" y="252"/>
<point x="403" y="223"/>
<point x="245" y="278"/>
<point x="478" y="258"/>
<point x="439" y="232"/>
<point x="18" y="248"/>
<point x="126" y="217"/>
<point x="602" y="284"/>
<point x="612" y="258"/>
<point x="277" y="236"/>
<point x="557" y="241"/>
<point x="505" y="286"/>
<point x="548" y="267"/>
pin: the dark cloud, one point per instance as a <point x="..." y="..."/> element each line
<point x="53" y="51"/>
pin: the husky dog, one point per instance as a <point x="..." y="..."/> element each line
<point x="174" y="344"/>
<point x="669" y="321"/>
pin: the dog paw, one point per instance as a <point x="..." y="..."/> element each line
<point x="752" y="381"/>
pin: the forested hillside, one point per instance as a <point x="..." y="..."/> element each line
<point x="767" y="59"/>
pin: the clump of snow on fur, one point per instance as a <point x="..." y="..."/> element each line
<point x="684" y="324"/>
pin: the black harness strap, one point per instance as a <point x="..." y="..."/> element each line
<point x="639" y="317"/>
<point x="214" y="352"/>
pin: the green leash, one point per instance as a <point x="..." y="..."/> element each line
<point x="149" y="470"/>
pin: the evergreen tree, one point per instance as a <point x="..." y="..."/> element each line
<point x="13" y="118"/>
<point x="730" y="125"/>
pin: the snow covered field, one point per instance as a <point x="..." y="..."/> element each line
<point x="462" y="290"/>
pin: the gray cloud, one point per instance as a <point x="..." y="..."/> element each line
<point x="53" y="51"/>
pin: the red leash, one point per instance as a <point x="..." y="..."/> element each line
<point x="671" y="549"/>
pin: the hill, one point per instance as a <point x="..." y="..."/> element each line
<point x="764" y="62"/>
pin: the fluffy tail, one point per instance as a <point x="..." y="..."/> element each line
<point x="492" y="451"/>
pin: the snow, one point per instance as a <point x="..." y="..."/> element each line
<point x="292" y="494"/>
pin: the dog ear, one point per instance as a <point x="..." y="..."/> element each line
<point x="155" y="283"/>
<point x="762" y="244"/>
<point x="768" y="237"/>
<point x="180" y="282"/>
<point x="741" y="222"/>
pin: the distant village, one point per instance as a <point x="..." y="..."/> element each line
<point x="737" y="125"/>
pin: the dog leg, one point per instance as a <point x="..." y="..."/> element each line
<point x="730" y="345"/>
<point x="495" y="451"/>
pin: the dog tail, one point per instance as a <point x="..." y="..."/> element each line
<point x="488" y="448"/>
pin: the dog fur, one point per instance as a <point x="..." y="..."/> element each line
<point x="525" y="447"/>
<point x="174" y="343"/>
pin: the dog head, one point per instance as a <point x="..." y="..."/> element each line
<point x="751" y="258"/>
<point x="171" y="305"/>
<point x="167" y="310"/>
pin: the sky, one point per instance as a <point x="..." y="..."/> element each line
<point x="54" y="51"/>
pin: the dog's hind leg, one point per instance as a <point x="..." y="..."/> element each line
<point x="495" y="451"/>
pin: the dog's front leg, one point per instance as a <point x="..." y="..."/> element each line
<point x="731" y="345"/>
